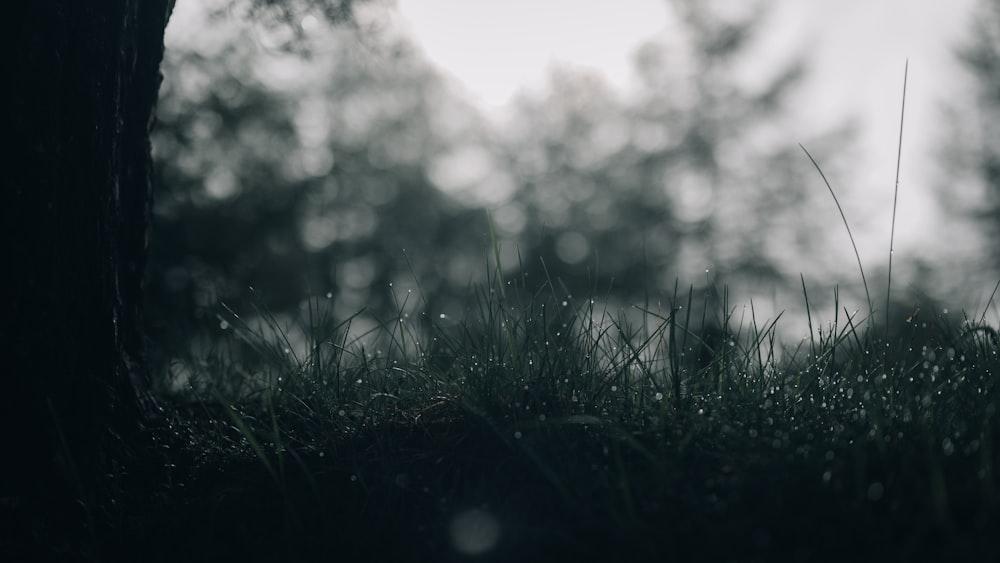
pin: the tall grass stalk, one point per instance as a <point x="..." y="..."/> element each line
<point x="843" y="217"/>
<point x="895" y="200"/>
<point x="498" y="273"/>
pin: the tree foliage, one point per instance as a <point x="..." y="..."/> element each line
<point x="974" y="159"/>
<point x="303" y="175"/>
<point x="310" y="170"/>
<point x="689" y="174"/>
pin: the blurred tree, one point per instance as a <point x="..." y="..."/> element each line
<point x="307" y="171"/>
<point x="304" y="173"/>
<point x="691" y="174"/>
<point x="972" y="158"/>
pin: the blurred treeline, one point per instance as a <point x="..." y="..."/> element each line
<point x="339" y="164"/>
<point x="971" y="157"/>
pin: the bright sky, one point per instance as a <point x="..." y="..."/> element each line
<point x="856" y="48"/>
<point x="494" y="48"/>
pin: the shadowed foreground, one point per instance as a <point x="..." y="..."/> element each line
<point x="538" y="430"/>
<point x="456" y="490"/>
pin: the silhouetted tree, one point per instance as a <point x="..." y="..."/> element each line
<point x="82" y="81"/>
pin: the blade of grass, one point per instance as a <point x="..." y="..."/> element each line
<point x="982" y="319"/>
<point x="508" y="328"/>
<point x="258" y="450"/>
<point x="864" y="280"/>
<point x="809" y="320"/>
<point x="675" y="362"/>
<point x="895" y="200"/>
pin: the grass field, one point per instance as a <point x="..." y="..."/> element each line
<point x="543" y="429"/>
<point x="546" y="428"/>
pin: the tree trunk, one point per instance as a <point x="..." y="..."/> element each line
<point x="75" y="211"/>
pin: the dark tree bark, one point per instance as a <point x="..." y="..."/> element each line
<point x="75" y="210"/>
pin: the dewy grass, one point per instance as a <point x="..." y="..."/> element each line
<point x="568" y="429"/>
<point x="587" y="432"/>
<point x="581" y="430"/>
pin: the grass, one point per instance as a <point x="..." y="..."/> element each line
<point x="544" y="428"/>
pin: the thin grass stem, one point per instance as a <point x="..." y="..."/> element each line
<point x="864" y="280"/>
<point x="895" y="200"/>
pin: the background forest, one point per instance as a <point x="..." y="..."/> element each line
<point x="305" y="160"/>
